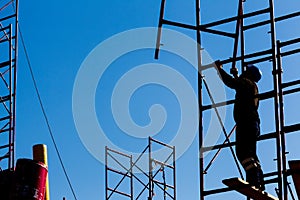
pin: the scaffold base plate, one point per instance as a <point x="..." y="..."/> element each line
<point x="246" y="189"/>
<point x="295" y="171"/>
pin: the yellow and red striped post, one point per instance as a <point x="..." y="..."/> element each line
<point x="40" y="155"/>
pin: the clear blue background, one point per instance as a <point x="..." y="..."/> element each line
<point x="60" y="34"/>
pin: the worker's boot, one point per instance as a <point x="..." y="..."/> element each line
<point x="261" y="182"/>
<point x="255" y="178"/>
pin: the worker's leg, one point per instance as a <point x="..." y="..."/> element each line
<point x="246" y="136"/>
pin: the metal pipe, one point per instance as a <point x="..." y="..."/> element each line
<point x="131" y="178"/>
<point x="106" y="173"/>
<point x="160" y="23"/>
<point x="161" y="143"/>
<point x="150" y="170"/>
<point x="281" y="110"/>
<point x="233" y="69"/>
<point x="200" y="137"/>
<point x="15" y="67"/>
<point x="276" y="104"/>
<point x="242" y="37"/>
<point x="232" y="19"/>
<point x="174" y="171"/>
<point x="11" y="127"/>
<point x="278" y="19"/>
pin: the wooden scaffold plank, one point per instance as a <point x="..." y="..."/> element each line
<point x="246" y="189"/>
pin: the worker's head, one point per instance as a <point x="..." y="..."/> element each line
<point x="253" y="73"/>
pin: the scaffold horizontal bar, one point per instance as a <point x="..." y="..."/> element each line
<point x="291" y="128"/>
<point x="291" y="83"/>
<point x="3" y="157"/>
<point x="119" y="172"/>
<point x="260" y="60"/>
<point x="163" y="164"/>
<point x="5" y="130"/>
<point x="270" y="181"/>
<point x="266" y="22"/>
<point x="4" y="64"/>
<point x="262" y="96"/>
<point x="4" y="28"/>
<point x="4" y="146"/>
<point x="4" y="98"/>
<point x="4" y="118"/>
<point x="7" y="40"/>
<point x="207" y="107"/>
<point x="252" y="55"/>
<point x="178" y="24"/>
<point x="161" y="183"/>
<point x="291" y="91"/>
<point x="8" y="17"/>
<point x="119" y="192"/>
<point x="289" y="42"/>
<point x="291" y="52"/>
<point x="218" y="146"/>
<point x="205" y="27"/>
<point x="286" y="129"/>
<point x="117" y="152"/>
<point x="216" y="191"/>
<point x="257" y="24"/>
<point x="161" y="143"/>
<point x="223" y="33"/>
<point x="232" y="19"/>
<point x="288" y="16"/>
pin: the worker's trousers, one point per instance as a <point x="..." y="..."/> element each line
<point x="246" y="137"/>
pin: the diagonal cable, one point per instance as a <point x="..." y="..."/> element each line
<point x="44" y="113"/>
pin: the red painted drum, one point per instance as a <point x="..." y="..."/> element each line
<point x="30" y="180"/>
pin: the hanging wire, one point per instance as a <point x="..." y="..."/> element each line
<point x="44" y="113"/>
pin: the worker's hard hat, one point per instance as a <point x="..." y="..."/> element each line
<point x="254" y="71"/>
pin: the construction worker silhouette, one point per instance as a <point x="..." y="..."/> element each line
<point x="247" y="120"/>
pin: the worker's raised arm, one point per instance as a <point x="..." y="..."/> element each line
<point x="226" y="78"/>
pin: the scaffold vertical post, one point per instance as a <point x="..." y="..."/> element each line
<point x="150" y="170"/>
<point x="281" y="113"/>
<point x="106" y="174"/>
<point x="198" y="36"/>
<point x="174" y="171"/>
<point x="131" y="177"/>
<point x="276" y="103"/>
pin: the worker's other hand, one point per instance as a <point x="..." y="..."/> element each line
<point x="218" y="64"/>
<point x="234" y="71"/>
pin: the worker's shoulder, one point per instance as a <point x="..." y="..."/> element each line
<point x="244" y="80"/>
<point x="245" y="83"/>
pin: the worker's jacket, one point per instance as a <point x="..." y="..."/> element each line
<point x="246" y="99"/>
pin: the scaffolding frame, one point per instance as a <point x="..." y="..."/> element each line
<point x="155" y="166"/>
<point x="280" y="89"/>
<point x="8" y="81"/>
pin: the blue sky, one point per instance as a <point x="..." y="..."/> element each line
<point x="59" y="36"/>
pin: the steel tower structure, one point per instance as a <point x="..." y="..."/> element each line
<point x="8" y="80"/>
<point x="273" y="56"/>
<point x="127" y="178"/>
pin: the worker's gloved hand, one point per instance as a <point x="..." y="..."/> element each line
<point x="218" y="64"/>
<point x="234" y="72"/>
